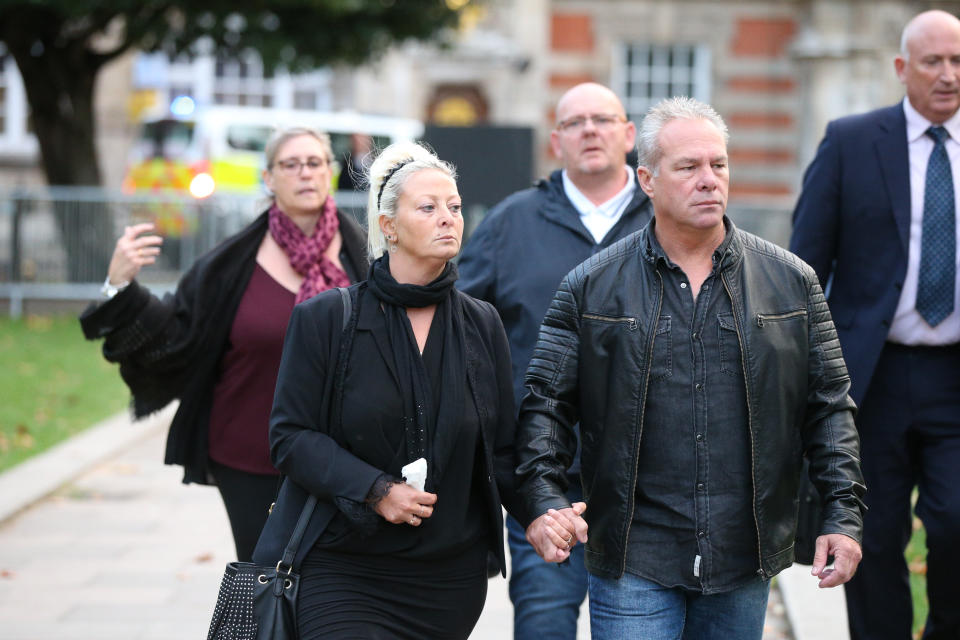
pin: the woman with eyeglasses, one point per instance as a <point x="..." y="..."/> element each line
<point x="215" y="344"/>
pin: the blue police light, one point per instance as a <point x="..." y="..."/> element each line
<point x="182" y="106"/>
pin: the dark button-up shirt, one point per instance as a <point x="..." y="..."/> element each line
<point x="693" y="521"/>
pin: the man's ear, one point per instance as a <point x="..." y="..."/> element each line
<point x="899" y="64"/>
<point x="645" y="179"/>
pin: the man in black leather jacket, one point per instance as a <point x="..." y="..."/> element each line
<point x="701" y="363"/>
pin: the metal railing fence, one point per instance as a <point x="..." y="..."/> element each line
<point x="56" y="242"/>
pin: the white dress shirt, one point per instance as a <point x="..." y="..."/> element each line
<point x="908" y="326"/>
<point x="599" y="219"/>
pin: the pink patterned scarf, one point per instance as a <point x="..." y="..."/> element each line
<point x="306" y="254"/>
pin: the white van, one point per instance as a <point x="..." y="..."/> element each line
<point x="219" y="149"/>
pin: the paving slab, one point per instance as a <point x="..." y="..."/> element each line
<point x="113" y="545"/>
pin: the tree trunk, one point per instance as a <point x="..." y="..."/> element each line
<point x="59" y="82"/>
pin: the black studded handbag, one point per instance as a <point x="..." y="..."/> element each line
<point x="259" y="602"/>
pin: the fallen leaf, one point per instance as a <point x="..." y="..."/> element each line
<point x="22" y="438"/>
<point x="204" y="557"/>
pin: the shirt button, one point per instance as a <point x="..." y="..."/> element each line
<point x="699" y="437"/>
<point x="700" y="534"/>
<point x="700" y="486"/>
<point x="683" y="285"/>
<point x="699" y="387"/>
<point x="695" y="334"/>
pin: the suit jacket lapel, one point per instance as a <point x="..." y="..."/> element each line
<point x="895" y="164"/>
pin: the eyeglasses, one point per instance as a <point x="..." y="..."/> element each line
<point x="293" y="166"/>
<point x="602" y="121"/>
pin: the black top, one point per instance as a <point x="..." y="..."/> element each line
<point x="307" y="426"/>
<point x="693" y="524"/>
<point x="375" y="434"/>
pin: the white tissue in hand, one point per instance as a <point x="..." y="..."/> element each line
<point x="415" y="473"/>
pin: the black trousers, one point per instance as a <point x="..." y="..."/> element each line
<point x="909" y="426"/>
<point x="247" y="498"/>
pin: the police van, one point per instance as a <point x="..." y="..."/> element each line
<point x="219" y="149"/>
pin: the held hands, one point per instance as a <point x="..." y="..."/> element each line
<point x="132" y="252"/>
<point x="846" y="554"/>
<point x="555" y="533"/>
<point x="405" y="505"/>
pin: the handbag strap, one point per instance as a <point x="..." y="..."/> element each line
<point x="290" y="551"/>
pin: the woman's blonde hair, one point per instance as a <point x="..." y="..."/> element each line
<point x="386" y="178"/>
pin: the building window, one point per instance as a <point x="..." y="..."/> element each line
<point x="304" y="99"/>
<point x="644" y="74"/>
<point x="242" y="82"/>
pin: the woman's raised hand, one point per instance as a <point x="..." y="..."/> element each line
<point x="405" y="505"/>
<point x="132" y="252"/>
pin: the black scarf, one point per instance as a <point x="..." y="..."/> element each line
<point x="425" y="437"/>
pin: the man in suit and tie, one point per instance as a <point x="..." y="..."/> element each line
<point x="877" y="220"/>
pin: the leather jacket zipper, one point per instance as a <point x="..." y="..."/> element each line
<point x="763" y="317"/>
<point x="631" y="322"/>
<point x="636" y="453"/>
<point x="746" y="386"/>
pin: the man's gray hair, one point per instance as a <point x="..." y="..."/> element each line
<point x="679" y="107"/>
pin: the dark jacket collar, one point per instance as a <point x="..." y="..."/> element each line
<point x="558" y="209"/>
<point x="726" y="255"/>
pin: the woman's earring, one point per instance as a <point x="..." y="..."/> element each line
<point x="393" y="245"/>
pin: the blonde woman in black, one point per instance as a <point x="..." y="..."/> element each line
<point x="420" y="371"/>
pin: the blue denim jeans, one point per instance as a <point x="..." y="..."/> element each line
<point x="546" y="597"/>
<point x="633" y="607"/>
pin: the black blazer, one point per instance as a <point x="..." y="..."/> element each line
<point x="852" y="224"/>
<point x="305" y="417"/>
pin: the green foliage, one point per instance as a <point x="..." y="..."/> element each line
<point x="61" y="45"/>
<point x="55" y="384"/>
<point x="296" y="34"/>
<point x="917" y="561"/>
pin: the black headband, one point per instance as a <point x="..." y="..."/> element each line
<point x="389" y="175"/>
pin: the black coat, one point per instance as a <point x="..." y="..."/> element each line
<point x="171" y="348"/>
<point x="592" y="363"/>
<point x="305" y="414"/>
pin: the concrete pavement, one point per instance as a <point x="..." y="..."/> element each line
<point x="100" y="540"/>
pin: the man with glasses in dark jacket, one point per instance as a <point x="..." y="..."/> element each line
<point x="701" y="364"/>
<point x="516" y="259"/>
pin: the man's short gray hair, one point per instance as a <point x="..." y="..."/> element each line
<point x="648" y="139"/>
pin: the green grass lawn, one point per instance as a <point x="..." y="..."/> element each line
<point x="54" y="384"/>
